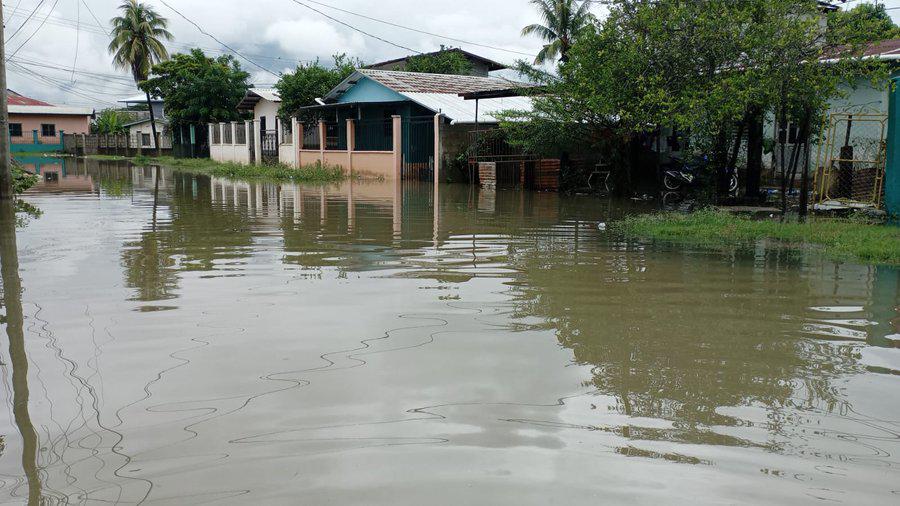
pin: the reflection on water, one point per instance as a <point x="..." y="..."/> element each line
<point x="190" y="340"/>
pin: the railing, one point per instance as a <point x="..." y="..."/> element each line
<point x="287" y="136"/>
<point x="217" y="134"/>
<point x="311" y="136"/>
<point x="336" y="136"/>
<point x="374" y="135"/>
<point x="227" y="134"/>
<point x="240" y="134"/>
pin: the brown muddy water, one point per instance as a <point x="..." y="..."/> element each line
<point x="189" y="341"/>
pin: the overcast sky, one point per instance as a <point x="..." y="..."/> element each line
<point x="275" y="34"/>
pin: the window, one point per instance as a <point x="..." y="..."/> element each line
<point x="15" y="130"/>
<point x="48" y="130"/>
<point x="145" y="140"/>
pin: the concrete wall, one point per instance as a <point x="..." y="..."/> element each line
<point x="287" y="155"/>
<point x="238" y="153"/>
<point x="30" y="122"/>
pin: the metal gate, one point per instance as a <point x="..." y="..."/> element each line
<point x="418" y="148"/>
<point x="269" y="145"/>
<point x="851" y="161"/>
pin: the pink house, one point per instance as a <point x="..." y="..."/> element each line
<point x="34" y="122"/>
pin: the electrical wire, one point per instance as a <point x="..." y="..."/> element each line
<point x="348" y="25"/>
<point x="397" y="25"/>
<point x="27" y="19"/>
<point x="204" y="32"/>
<point x="33" y="33"/>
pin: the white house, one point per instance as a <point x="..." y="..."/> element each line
<point x="264" y="103"/>
<point x="140" y="131"/>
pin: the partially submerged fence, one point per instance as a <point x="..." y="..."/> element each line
<point x="851" y="161"/>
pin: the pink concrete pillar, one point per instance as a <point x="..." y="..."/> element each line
<point x="351" y="144"/>
<point x="322" y="141"/>
<point x="398" y="147"/>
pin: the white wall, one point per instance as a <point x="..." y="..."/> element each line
<point x="267" y="109"/>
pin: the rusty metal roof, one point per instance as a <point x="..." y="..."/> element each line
<point x="414" y="82"/>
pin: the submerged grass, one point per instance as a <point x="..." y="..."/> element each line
<point x="837" y="238"/>
<point x="313" y="173"/>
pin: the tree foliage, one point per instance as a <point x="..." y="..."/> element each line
<point x="137" y="39"/>
<point x="861" y="24"/>
<point x="308" y="82"/>
<point x="562" y="20"/>
<point x="112" y="121"/>
<point x="197" y="88"/>
<point x="702" y="66"/>
<point x="442" y="62"/>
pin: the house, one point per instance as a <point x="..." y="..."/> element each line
<point x="373" y="98"/>
<point x="382" y="123"/>
<point x="264" y="104"/>
<point x="140" y="131"/>
<point x="38" y="126"/>
<point x="480" y="66"/>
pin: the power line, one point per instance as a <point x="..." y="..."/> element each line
<point x="99" y="24"/>
<point x="27" y="19"/>
<point x="397" y="25"/>
<point x="35" y="32"/>
<point x="217" y="40"/>
<point x="32" y="75"/>
<point x="77" y="33"/>
<point x="348" y="25"/>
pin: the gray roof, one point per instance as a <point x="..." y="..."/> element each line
<point x="415" y="82"/>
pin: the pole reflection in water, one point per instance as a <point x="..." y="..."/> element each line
<point x="12" y="301"/>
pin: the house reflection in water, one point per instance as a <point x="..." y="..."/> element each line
<point x="58" y="175"/>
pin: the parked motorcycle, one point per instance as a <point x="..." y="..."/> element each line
<point x="679" y="174"/>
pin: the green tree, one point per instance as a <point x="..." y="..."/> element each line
<point x="443" y="62"/>
<point x="706" y="66"/>
<point x="137" y="44"/>
<point x="308" y="82"/>
<point x="111" y="121"/>
<point x="198" y="89"/>
<point x="562" y="21"/>
<point x="861" y="24"/>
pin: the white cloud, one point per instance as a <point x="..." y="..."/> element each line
<point x="311" y="38"/>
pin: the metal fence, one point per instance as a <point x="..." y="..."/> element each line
<point x="287" y="136"/>
<point x="336" y="136"/>
<point x="240" y="131"/>
<point x="226" y="134"/>
<point x="269" y="146"/>
<point x="374" y="135"/>
<point x="311" y="136"/>
<point x="418" y="148"/>
<point x="217" y="134"/>
<point x="851" y="160"/>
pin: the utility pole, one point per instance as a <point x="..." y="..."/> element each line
<point x="6" y="190"/>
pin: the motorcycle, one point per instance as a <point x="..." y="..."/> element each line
<point x="680" y="174"/>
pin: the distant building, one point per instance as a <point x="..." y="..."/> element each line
<point x="264" y="104"/>
<point x="140" y="130"/>
<point x="480" y="66"/>
<point x="34" y="122"/>
<point x="159" y="110"/>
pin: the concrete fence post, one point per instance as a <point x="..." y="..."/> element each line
<point x="438" y="155"/>
<point x="257" y="142"/>
<point x="209" y="127"/>
<point x="295" y="140"/>
<point x="234" y="133"/>
<point x="398" y="146"/>
<point x="322" y="132"/>
<point x="247" y="143"/>
<point x="351" y="144"/>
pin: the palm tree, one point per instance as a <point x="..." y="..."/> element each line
<point x="137" y="45"/>
<point x="563" y="19"/>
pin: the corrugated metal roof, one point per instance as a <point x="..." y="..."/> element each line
<point x="14" y="98"/>
<point x="50" y="109"/>
<point x="459" y="110"/>
<point x="270" y="94"/>
<point x="416" y="82"/>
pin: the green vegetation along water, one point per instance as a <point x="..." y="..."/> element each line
<point x="188" y="339"/>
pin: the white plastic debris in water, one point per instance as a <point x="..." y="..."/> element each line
<point x="601" y="226"/>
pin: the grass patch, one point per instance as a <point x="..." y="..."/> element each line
<point x="315" y="173"/>
<point x="837" y="238"/>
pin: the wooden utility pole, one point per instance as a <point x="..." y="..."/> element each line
<point x="6" y="190"/>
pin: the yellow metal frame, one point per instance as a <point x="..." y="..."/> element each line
<point x="826" y="160"/>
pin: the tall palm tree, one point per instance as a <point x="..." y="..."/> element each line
<point x="137" y="45"/>
<point x="563" y="19"/>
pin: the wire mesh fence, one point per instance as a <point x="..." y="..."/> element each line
<point x="418" y="148"/>
<point x="851" y="160"/>
<point x="336" y="135"/>
<point x="311" y="136"/>
<point x="374" y="135"/>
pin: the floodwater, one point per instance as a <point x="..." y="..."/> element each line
<point x="187" y="341"/>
